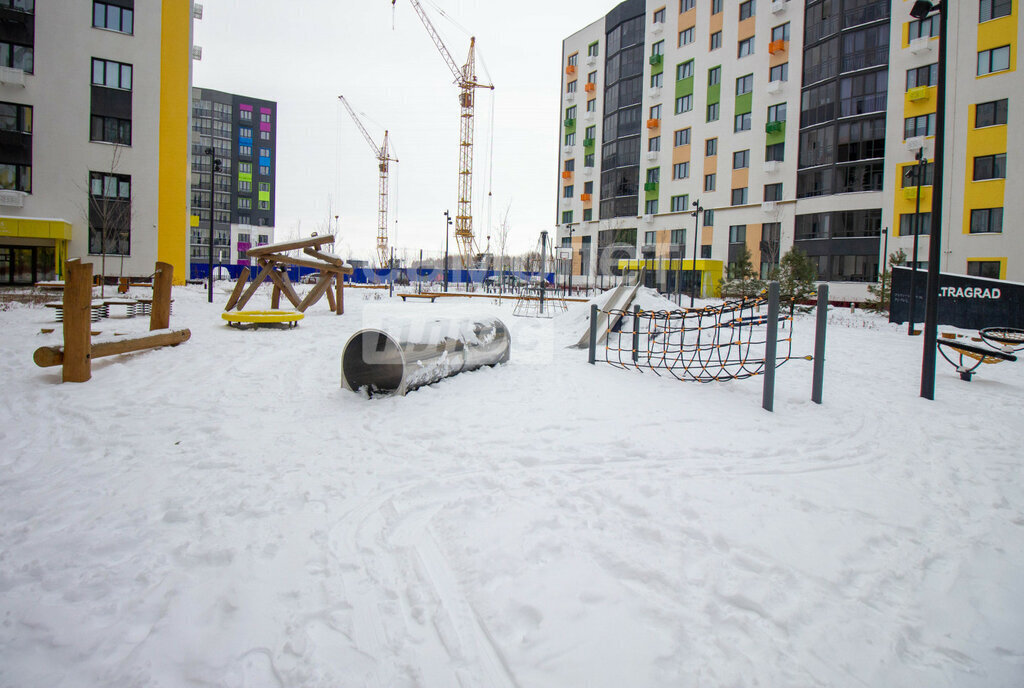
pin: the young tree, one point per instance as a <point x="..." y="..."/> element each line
<point x="881" y="293"/>
<point x="109" y="213"/>
<point x="796" y="275"/>
<point x="740" y="276"/>
<point x="742" y="269"/>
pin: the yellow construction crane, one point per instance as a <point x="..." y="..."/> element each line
<point x="465" y="79"/>
<point x="383" y="158"/>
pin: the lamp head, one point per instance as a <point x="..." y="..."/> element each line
<point x="922" y="8"/>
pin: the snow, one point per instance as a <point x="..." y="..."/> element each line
<point x="223" y="513"/>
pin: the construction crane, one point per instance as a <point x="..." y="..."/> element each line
<point x="465" y="79"/>
<point x="383" y="158"/>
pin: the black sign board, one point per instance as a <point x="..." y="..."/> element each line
<point x="970" y="303"/>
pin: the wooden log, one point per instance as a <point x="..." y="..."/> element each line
<point x="306" y="263"/>
<point x="330" y="300"/>
<point x="160" y="315"/>
<point x="265" y="268"/>
<point x="275" y="296"/>
<point x="283" y="285"/>
<point x="290" y="245"/>
<point x="333" y="260"/>
<point x="77" y="317"/>
<point x="340" y="288"/>
<point x="237" y="291"/>
<point x="316" y="292"/>
<point x="47" y="356"/>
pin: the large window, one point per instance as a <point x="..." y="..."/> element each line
<point x="27" y="6"/>
<point x="15" y="117"/>
<point x="994" y="60"/>
<point x="742" y="122"/>
<point x="739" y="196"/>
<point x="110" y="211"/>
<point x="745" y="47"/>
<point x="990" y="167"/>
<point x="863" y="93"/>
<point x="911" y="224"/>
<point x="17" y="56"/>
<point x="925" y="28"/>
<point x="741" y="159"/>
<point x="744" y="84"/>
<point x="747" y="9"/>
<point x="927" y="75"/>
<point x="111" y="74"/>
<point x="990" y="114"/>
<point x="986" y="220"/>
<point x="776" y="151"/>
<point x="111" y="130"/>
<point x="983" y="268"/>
<point x="993" y="9"/>
<point x="681" y="170"/>
<point x="922" y="125"/>
<point x="112" y="17"/>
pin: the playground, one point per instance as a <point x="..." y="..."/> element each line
<point x="224" y="512"/>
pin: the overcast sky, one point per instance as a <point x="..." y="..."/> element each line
<point x="305" y="53"/>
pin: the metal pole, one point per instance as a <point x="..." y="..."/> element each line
<point x="696" y="229"/>
<point x="209" y="279"/>
<point x="931" y="310"/>
<point x="636" y="332"/>
<point x="771" y="347"/>
<point x="885" y="264"/>
<point x="819" y="344"/>
<point x="447" y="231"/>
<point x="918" y="169"/>
<point x="593" y="333"/>
<point x="391" y="272"/>
<point x="419" y="274"/>
<point x="571" y="254"/>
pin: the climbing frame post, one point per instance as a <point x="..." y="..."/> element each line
<point x="77" y="322"/>
<point x="160" y="315"/>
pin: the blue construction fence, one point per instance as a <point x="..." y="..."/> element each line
<point x="200" y="271"/>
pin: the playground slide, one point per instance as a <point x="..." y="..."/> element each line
<point x="620" y="300"/>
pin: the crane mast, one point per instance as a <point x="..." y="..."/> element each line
<point x="465" y="79"/>
<point x="383" y="158"/>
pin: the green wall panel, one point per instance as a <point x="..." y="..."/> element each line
<point x="771" y="138"/>
<point x="714" y="94"/>
<point x="744" y="103"/>
<point x="684" y="87"/>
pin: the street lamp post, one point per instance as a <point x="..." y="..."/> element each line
<point x="215" y="164"/>
<point x="921" y="10"/>
<point x="918" y="172"/>
<point x="447" y="231"/>
<point x="571" y="230"/>
<point x="697" y="210"/>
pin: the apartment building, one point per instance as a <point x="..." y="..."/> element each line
<point x="695" y="128"/>
<point x="234" y="161"/>
<point x="93" y="136"/>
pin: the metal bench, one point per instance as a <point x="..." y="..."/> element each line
<point x="432" y="297"/>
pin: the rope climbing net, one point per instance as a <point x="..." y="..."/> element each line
<point x="712" y="344"/>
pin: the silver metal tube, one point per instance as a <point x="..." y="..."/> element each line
<point x="422" y="353"/>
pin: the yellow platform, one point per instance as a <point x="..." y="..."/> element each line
<point x="291" y="318"/>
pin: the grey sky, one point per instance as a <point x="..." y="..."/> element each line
<point x="304" y="53"/>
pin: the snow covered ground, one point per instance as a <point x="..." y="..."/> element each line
<point x="224" y="514"/>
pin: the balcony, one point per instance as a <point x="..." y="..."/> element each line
<point x="590" y="87"/>
<point x="569" y="122"/>
<point x="567" y="174"/>
<point x="656" y="59"/>
<point x="570" y="69"/>
<point x="775" y="127"/>
<point x="777" y="46"/>
<point x="588" y="143"/>
<point x="918" y="93"/>
<point x="650" y="186"/>
<point x="585" y="197"/>
<point x="12" y="76"/>
<point x="653" y="123"/>
<point x="919" y="46"/>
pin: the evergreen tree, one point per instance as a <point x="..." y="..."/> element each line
<point x="796" y="275"/>
<point x="881" y="293"/>
<point x="739" y="280"/>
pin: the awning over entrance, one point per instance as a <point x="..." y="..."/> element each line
<point x="34" y="228"/>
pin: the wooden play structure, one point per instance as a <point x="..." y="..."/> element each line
<point x="76" y="355"/>
<point x="273" y="261"/>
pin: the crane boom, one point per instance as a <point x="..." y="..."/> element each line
<point x="465" y="79"/>
<point x="383" y="158"/>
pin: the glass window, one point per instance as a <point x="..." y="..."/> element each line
<point x="746" y="47"/>
<point x="655" y="111"/>
<point x="991" y="113"/>
<point x="987" y="221"/>
<point x="709" y="219"/>
<point x="686" y="36"/>
<point x="657" y="80"/>
<point x="922" y="125"/>
<point x="911" y="224"/>
<point x="111" y="17"/>
<point x="654" y="144"/>
<point x="713" y="112"/>
<point x="773" y="192"/>
<point x="659" y="16"/>
<point x="777" y="112"/>
<point x="711" y="147"/>
<point x="741" y="159"/>
<point x="681" y="170"/>
<point x="658" y="48"/>
<point x="739" y="196"/>
<point x="990" y="167"/>
<point x="568" y="191"/>
<point x="995" y="60"/>
<point x="747" y="9"/>
<point x="776" y="151"/>
<point x="681" y="137"/>
<point x="709" y="182"/>
<point x="684" y="70"/>
<point x="780" y="32"/>
<point x="927" y="75"/>
<point x="742" y="122"/>
<point x="744" y="84"/>
<point x="716" y="6"/>
<point x="651" y="207"/>
<point x="716" y="41"/>
<point x="779" y="72"/>
<point x="737" y="233"/>
<point x="679" y="205"/>
<point x="714" y="76"/>
<point x="684" y="104"/>
<point x="111" y="74"/>
<point x="983" y="268"/>
<point x="924" y="28"/>
<point x="653" y="175"/>
<point x="686" y="5"/>
<point x="993" y="9"/>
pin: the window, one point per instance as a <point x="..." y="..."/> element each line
<point x="264" y="205"/>
<point x="741" y="159"/>
<point x="922" y="125"/>
<point x="863" y="93"/>
<point x="779" y="72"/>
<point x="780" y="32"/>
<point x="265" y="170"/>
<point x="776" y="151"/>
<point x="588" y="215"/>
<point x="995" y="60"/>
<point x="653" y="175"/>
<point x="111" y="17"/>
<point x="655" y="112"/>
<point x="592" y="50"/>
<point x="711" y="147"/>
<point x="650" y="238"/>
<point x="713" y="111"/>
<point x="17" y="56"/>
<point x="264" y="152"/>
<point x="244" y="203"/>
<point x="651" y="207"/>
<point x="678" y="236"/>
<point x="716" y="41"/>
<point x="684" y="70"/>
<point x="245" y="114"/>
<point x="990" y="167"/>
<point x="709" y="220"/>
<point x="14" y="117"/>
<point x="570" y="112"/>
<point x="588" y="160"/>
<point x="745" y="84"/>
<point x="566" y="217"/>
<point x="716" y="6"/>
<point x="570" y="165"/>
<point x="571" y="87"/>
<point x="745" y="47"/>
<point x="679" y="205"/>
<point x="657" y="79"/>
<point x="654" y="144"/>
<point x="15" y="177"/>
<point x="592" y="77"/>
<point x="26" y="6"/>
<point x="570" y="139"/>
<point x="986" y="220"/>
<point x="245" y="150"/>
<point x="709" y="182"/>
<point x="910" y="175"/>
<point x="773" y="192"/>
<point x="684" y="104"/>
<point x="245" y="168"/>
<point x="244" y="186"/>
<point x="681" y="137"/>
<point x="110" y="130"/>
<point x="714" y="76"/>
<point x="777" y="113"/>
<point x="573" y="59"/>
<point x="681" y="170"/>
<point x="739" y="196"/>
<point x="110" y="211"/>
<point x="592" y="105"/>
<point x="265" y="117"/>
<point x="737" y="234"/>
<point x="245" y="132"/>
<point x="989" y="114"/>
<point x="686" y="36"/>
<point x="659" y="16"/>
<point x="265" y="187"/>
<point x="993" y="9"/>
<point x="591" y="132"/>
<point x="747" y="9"/>
<point x="588" y="187"/>
<point x="658" y="48"/>
<point x="925" y="28"/>
<point x="983" y="268"/>
<point x="742" y="122"/>
<point x="111" y="74"/>
<point x="567" y="192"/>
<point x="927" y="75"/>
<point x="686" y="5"/>
<point x="705" y="251"/>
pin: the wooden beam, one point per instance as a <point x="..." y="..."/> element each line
<point x="333" y="260"/>
<point x="283" y="285"/>
<point x="289" y="287"/>
<point x="302" y="262"/>
<point x="77" y="317"/>
<point x="160" y="313"/>
<point x="330" y="300"/>
<point x="47" y="356"/>
<point x="316" y="292"/>
<point x="239" y="286"/>
<point x="275" y="296"/>
<point x="265" y="267"/>
<point x="340" y="287"/>
<point x="290" y="245"/>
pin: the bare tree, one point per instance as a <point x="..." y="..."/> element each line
<point x="109" y="213"/>
<point x="501" y="238"/>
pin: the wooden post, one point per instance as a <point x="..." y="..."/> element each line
<point x="47" y="356"/>
<point x="239" y="286"/>
<point x="282" y="285"/>
<point x="275" y="297"/>
<point x="160" y="315"/>
<point x="330" y="299"/>
<point x="340" y="293"/>
<point x="265" y="269"/>
<point x="316" y="292"/>
<point x="77" y="317"/>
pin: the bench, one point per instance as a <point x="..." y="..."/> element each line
<point x="131" y="305"/>
<point x="99" y="309"/>
<point x="970" y="356"/>
<point x="432" y="297"/>
<point x="144" y="305"/>
<point x="251" y="319"/>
